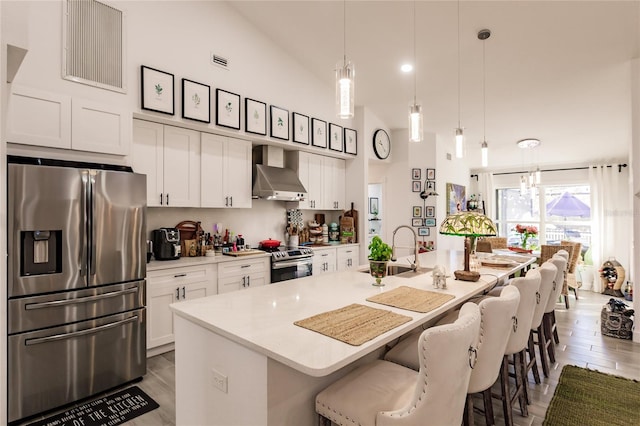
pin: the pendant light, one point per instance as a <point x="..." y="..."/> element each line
<point x="484" y="35"/>
<point x="345" y="77"/>
<point x="459" y="135"/>
<point x="415" y="109"/>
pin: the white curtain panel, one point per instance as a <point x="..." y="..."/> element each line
<point x="609" y="218"/>
<point x="487" y="192"/>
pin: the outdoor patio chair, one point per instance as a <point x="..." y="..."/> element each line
<point x="546" y="252"/>
<point x="572" y="282"/>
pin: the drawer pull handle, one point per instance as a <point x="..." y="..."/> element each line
<point x="180" y="275"/>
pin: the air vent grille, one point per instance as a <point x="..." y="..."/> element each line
<point x="94" y="42"/>
<point x="219" y="61"/>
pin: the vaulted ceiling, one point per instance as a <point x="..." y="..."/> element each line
<point x="559" y="71"/>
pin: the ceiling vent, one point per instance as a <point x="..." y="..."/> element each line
<point x="93" y="40"/>
<point x="219" y="61"/>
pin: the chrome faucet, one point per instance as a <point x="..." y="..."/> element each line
<point x="415" y="265"/>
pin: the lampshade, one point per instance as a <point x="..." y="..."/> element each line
<point x="415" y="122"/>
<point x="345" y="89"/>
<point x="459" y="143"/>
<point x="485" y="154"/>
<point x="469" y="225"/>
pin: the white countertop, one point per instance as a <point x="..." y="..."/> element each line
<point x="262" y="318"/>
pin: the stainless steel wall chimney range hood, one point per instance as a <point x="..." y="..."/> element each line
<point x="271" y="180"/>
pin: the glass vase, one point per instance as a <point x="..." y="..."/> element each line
<point x="378" y="270"/>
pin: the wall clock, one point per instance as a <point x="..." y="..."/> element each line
<point x="381" y="144"/>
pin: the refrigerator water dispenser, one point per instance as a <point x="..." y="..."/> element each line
<point x="41" y="252"/>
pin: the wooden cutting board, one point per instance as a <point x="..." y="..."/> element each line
<point x="243" y="252"/>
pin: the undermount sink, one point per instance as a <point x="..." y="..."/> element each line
<point x="403" y="271"/>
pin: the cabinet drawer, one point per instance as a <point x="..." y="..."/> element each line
<point x="242" y="267"/>
<point x="345" y="252"/>
<point x="181" y="276"/>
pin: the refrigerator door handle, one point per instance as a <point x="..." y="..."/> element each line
<point x="55" y="303"/>
<point x="91" y="225"/>
<point x="84" y="234"/>
<point x="93" y="330"/>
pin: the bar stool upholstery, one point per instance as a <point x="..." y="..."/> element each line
<point x="529" y="287"/>
<point x="547" y="252"/>
<point x="385" y="393"/>
<point x="548" y="272"/>
<point x="549" y="317"/>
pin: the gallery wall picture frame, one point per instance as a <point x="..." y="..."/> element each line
<point x="430" y="211"/>
<point x="227" y="109"/>
<point x="424" y="232"/>
<point x="416" y="222"/>
<point x="279" y="122"/>
<point x="350" y="141"/>
<point x="335" y="138"/>
<point x="417" y="211"/>
<point x="319" y="133"/>
<point x="373" y="205"/>
<point x="430" y="221"/>
<point x="300" y="128"/>
<point x="456" y="198"/>
<point x="196" y="101"/>
<point x="255" y="117"/>
<point x="416" y="186"/>
<point x="157" y="90"/>
<point x="431" y="185"/>
<point x="431" y="174"/>
<point x="416" y="174"/>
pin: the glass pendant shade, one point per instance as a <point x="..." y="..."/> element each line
<point x="485" y="154"/>
<point x="345" y="89"/>
<point x="538" y="176"/>
<point x="459" y="143"/>
<point x="415" y="122"/>
<point x="523" y="185"/>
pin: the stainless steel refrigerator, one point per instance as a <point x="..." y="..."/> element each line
<point x="76" y="281"/>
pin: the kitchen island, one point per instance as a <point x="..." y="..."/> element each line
<point x="240" y="360"/>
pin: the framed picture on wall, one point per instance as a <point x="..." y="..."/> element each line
<point x="415" y="186"/>
<point x="417" y="211"/>
<point x="157" y="90"/>
<point x="196" y="101"/>
<point x="319" y="135"/>
<point x="279" y="123"/>
<point x="335" y="138"/>
<point x="423" y="232"/>
<point x="227" y="109"/>
<point x="416" y="222"/>
<point x="350" y="141"/>
<point x="255" y="117"/>
<point x="431" y="185"/>
<point x="430" y="211"/>
<point x="431" y="174"/>
<point x="416" y="174"/>
<point x="373" y="205"/>
<point x="300" y="128"/>
<point x="430" y="221"/>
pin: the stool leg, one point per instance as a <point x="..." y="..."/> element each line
<point x="554" y="326"/>
<point x="506" y="392"/>
<point x="542" y="350"/>
<point x="467" y="419"/>
<point x="488" y="407"/>
<point x="532" y="364"/>
<point x="323" y="421"/>
<point x="566" y="301"/>
<point x="575" y="292"/>
<point x="548" y="333"/>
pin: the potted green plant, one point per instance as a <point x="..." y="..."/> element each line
<point x="379" y="255"/>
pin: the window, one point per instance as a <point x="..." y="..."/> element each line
<point x="560" y="212"/>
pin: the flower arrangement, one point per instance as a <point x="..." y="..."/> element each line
<point x="525" y="233"/>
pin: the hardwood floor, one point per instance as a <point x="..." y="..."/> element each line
<point x="581" y="344"/>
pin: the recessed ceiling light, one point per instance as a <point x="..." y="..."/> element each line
<point x="528" y="143"/>
<point x="406" y="68"/>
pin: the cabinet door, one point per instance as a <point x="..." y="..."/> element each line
<point x="324" y="261"/>
<point x="212" y="168"/>
<point x="347" y="257"/>
<point x="159" y="315"/>
<point x="334" y="177"/>
<point x="181" y="167"/>
<point x="147" y="158"/>
<point x="310" y="173"/>
<point x="238" y="173"/>
<point x="259" y="279"/>
<point x="38" y="118"/>
<point x="100" y="128"/>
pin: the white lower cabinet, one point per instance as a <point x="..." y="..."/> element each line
<point x="347" y="257"/>
<point x="324" y="260"/>
<point x="168" y="286"/>
<point x="243" y="273"/>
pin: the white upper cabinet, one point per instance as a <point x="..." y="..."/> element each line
<point x="40" y="118"/>
<point x="170" y="157"/>
<point x="226" y="172"/>
<point x="323" y="178"/>
<point x="334" y="178"/>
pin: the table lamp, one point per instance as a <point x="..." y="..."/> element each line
<point x="470" y="225"/>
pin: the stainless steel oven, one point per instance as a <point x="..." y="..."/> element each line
<point x="290" y="264"/>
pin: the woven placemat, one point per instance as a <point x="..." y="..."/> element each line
<point x="354" y="324"/>
<point x="412" y="299"/>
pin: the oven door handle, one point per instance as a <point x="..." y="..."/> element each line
<point x="280" y="265"/>
<point x="56" y="303"/>
<point x="93" y="330"/>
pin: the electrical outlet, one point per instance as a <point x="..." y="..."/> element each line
<point x="219" y="380"/>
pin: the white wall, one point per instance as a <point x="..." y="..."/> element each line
<point x="634" y="165"/>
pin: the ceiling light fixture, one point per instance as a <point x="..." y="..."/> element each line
<point x="345" y="77"/>
<point x="459" y="135"/>
<point x="528" y="143"/>
<point x="484" y="35"/>
<point x="406" y="68"/>
<point x="415" y="109"/>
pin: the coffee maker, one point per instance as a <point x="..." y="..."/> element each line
<point x="166" y="244"/>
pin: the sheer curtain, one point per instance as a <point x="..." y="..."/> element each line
<point x="485" y="188"/>
<point x="609" y="218"/>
